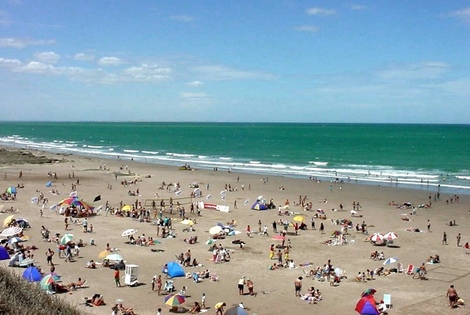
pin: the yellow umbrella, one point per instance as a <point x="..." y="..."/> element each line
<point x="103" y="254"/>
<point x="8" y="220"/>
<point x="187" y="222"/>
<point x="298" y="218"/>
<point x="127" y="208"/>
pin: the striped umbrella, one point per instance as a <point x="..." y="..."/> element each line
<point x="46" y="282"/>
<point x="174" y="299"/>
<point x="66" y="238"/>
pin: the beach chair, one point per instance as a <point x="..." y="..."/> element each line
<point x="400" y="267"/>
<point x="388" y="300"/>
<point x="410" y="269"/>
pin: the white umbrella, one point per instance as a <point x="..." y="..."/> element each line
<point x="215" y="230"/>
<point x="377" y="237"/>
<point x="115" y="257"/>
<point x="246" y="201"/>
<point x="11" y="231"/>
<point x="26" y="262"/>
<point x="223" y="192"/>
<point x="259" y="198"/>
<point x="208" y="196"/>
<point x="353" y="212"/>
<point x="178" y="192"/>
<point x="390" y="260"/>
<point x="390" y="236"/>
<point x="66" y="238"/>
<point x="129" y="232"/>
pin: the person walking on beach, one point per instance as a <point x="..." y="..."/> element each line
<point x="458" y="239"/>
<point x="117" y="277"/>
<point x="452" y="296"/>
<point x="429" y="226"/>
<point x="159" y="284"/>
<point x="322" y="228"/>
<point x="444" y="239"/>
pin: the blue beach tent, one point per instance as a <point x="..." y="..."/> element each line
<point x="175" y="270"/>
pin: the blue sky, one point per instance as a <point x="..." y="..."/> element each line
<point x="245" y="61"/>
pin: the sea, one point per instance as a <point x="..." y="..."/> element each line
<point x="420" y="156"/>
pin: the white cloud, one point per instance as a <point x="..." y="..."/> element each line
<point x="38" y="67"/>
<point x="195" y="83"/>
<point x="9" y="62"/>
<point x="307" y="28"/>
<point x="222" y="73"/>
<point x="22" y="43"/>
<point x="182" y="18"/>
<point x="420" y="71"/>
<point x="320" y="11"/>
<point x="462" y="14"/>
<point x="110" y="61"/>
<point x="47" y="57"/>
<point x="148" y="73"/>
<point x="84" y="57"/>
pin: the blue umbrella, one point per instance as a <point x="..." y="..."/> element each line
<point x="236" y="310"/>
<point x="4" y="253"/>
<point x="32" y="274"/>
<point x="49" y="184"/>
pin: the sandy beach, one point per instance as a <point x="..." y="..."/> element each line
<point x="274" y="288"/>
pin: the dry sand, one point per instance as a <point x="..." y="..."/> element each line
<point x="275" y="288"/>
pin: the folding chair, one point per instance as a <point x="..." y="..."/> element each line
<point x="388" y="300"/>
<point x="410" y="270"/>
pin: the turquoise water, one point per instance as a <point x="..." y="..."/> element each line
<point x="420" y="156"/>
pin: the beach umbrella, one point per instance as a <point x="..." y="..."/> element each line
<point x="174" y="299"/>
<point x="353" y="212"/>
<point x="32" y="274"/>
<point x="377" y="237"/>
<point x="11" y="231"/>
<point x="215" y="230"/>
<point x="320" y="211"/>
<point x="26" y="262"/>
<point x="11" y="190"/>
<point x="208" y="196"/>
<point x="129" y="232"/>
<point x="368" y="292"/>
<point x="66" y="238"/>
<point x="23" y="223"/>
<point x="390" y="260"/>
<point x="279" y="237"/>
<point x="49" y="184"/>
<point x="74" y="201"/>
<point x="47" y="282"/>
<point x="259" y="198"/>
<point x="210" y="242"/>
<point x="366" y="306"/>
<point x="178" y="192"/>
<point x="236" y="310"/>
<point x="115" y="257"/>
<point x="8" y="220"/>
<point x="73" y="194"/>
<point x="4" y="253"/>
<point x="126" y="208"/>
<point x="187" y="222"/>
<point x="390" y="236"/>
<point x="103" y="254"/>
<point x="246" y="202"/>
<point x="298" y="218"/>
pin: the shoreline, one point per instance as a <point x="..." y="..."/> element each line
<point x="425" y="186"/>
<point x="274" y="287"/>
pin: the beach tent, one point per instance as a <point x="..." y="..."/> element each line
<point x="175" y="270"/>
<point x="4" y="253"/>
<point x="32" y="274"/>
<point x="258" y="205"/>
<point x="11" y="190"/>
<point x="366" y="306"/>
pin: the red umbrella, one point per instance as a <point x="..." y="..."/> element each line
<point x="279" y="238"/>
<point x="366" y="306"/>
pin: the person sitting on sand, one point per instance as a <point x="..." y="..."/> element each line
<point x="196" y="308"/>
<point x="126" y="310"/>
<point x="91" y="264"/>
<point x="97" y="300"/>
<point x="374" y="255"/>
<point x="436" y="259"/>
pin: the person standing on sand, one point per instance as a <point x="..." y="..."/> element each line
<point x="458" y="239"/>
<point x="452" y="296"/>
<point x="444" y="239"/>
<point x="322" y="228"/>
<point x="159" y="284"/>
<point x="241" y="285"/>
<point x="49" y="255"/>
<point x="66" y="221"/>
<point x="429" y="226"/>
<point x="298" y="286"/>
<point x="117" y="277"/>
